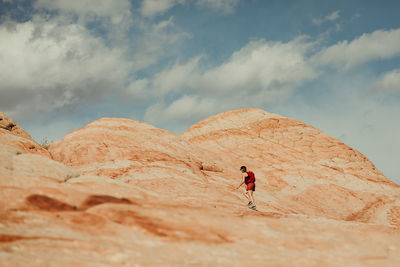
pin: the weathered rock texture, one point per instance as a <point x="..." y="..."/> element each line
<point x="120" y="192"/>
<point x="301" y="168"/>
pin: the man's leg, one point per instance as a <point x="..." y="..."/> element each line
<point x="246" y="194"/>
<point x="251" y="198"/>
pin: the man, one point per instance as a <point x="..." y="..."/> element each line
<point x="250" y="180"/>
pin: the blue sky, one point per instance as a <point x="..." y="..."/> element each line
<point x="332" y="64"/>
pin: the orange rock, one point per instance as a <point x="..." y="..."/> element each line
<point x="294" y="162"/>
<point x="8" y="124"/>
<point x="122" y="192"/>
<point x="21" y="156"/>
<point x="13" y="137"/>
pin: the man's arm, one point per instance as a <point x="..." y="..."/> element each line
<point x="240" y="185"/>
<point x="244" y="177"/>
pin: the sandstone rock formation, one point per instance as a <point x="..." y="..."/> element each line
<point x="121" y="192"/>
<point x="306" y="170"/>
<point x="13" y="137"/>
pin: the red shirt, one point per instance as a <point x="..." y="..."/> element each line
<point x="250" y="178"/>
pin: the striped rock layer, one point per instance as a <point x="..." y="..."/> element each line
<point x="121" y="192"/>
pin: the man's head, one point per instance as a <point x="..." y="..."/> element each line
<point x="243" y="168"/>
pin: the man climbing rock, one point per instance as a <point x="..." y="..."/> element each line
<point x="250" y="180"/>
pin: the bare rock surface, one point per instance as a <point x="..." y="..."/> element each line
<point x="120" y="192"/>
<point x="302" y="168"/>
<point x="14" y="138"/>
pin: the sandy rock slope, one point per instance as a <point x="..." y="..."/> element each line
<point x="120" y="192"/>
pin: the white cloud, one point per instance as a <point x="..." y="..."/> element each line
<point x="46" y="66"/>
<point x="177" y="78"/>
<point x="258" y="67"/>
<point x="380" y="44"/>
<point x="152" y="8"/>
<point x="317" y="21"/>
<point x="258" y="74"/>
<point x="338" y="27"/>
<point x="110" y="19"/>
<point x="270" y="68"/>
<point x="115" y="10"/>
<point x="184" y="110"/>
<point x="138" y="89"/>
<point x="155" y="41"/>
<point x="54" y="60"/>
<point x="224" y="6"/>
<point x="388" y="83"/>
<point x="331" y="17"/>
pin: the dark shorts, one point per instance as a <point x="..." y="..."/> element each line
<point x="251" y="186"/>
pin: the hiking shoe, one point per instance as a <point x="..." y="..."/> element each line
<point x="253" y="208"/>
<point x="250" y="203"/>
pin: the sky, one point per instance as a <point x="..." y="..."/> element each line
<point x="332" y="64"/>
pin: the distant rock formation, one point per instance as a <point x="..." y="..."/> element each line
<point x="120" y="192"/>
<point x="14" y="137"/>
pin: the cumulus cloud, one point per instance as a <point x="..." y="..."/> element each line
<point x="184" y="110"/>
<point x="331" y="17"/>
<point x="262" y="67"/>
<point x="53" y="60"/>
<point x="259" y="73"/>
<point x="113" y="20"/>
<point x="110" y="19"/>
<point x="46" y="66"/>
<point x="155" y="41"/>
<point x="151" y="8"/>
<point x="177" y="77"/>
<point x="380" y="44"/>
<point x="224" y="6"/>
<point x="388" y="83"/>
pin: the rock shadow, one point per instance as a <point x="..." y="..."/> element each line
<point x="46" y="203"/>
<point x="49" y="204"/>
<point x="95" y="200"/>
